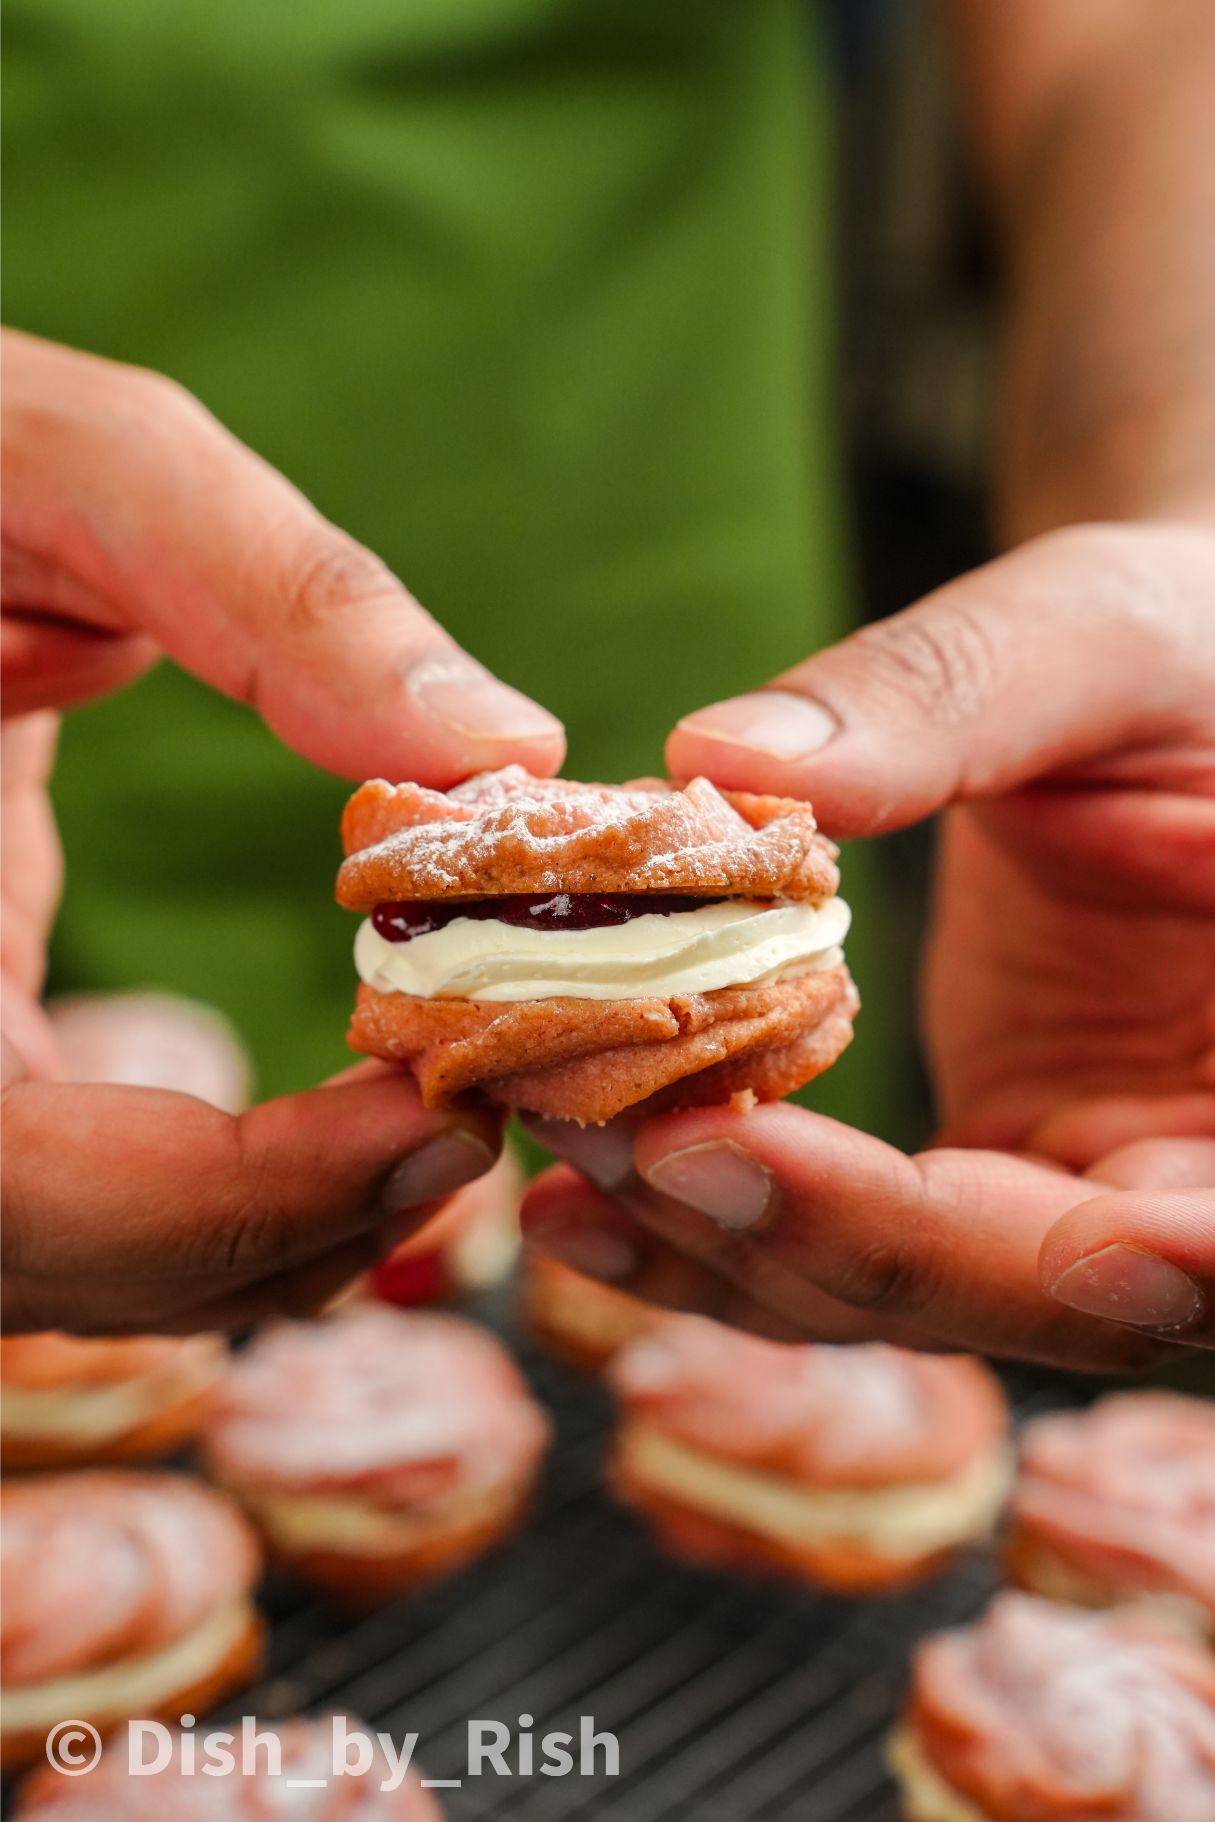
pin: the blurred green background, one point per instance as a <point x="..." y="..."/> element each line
<point x="535" y="298"/>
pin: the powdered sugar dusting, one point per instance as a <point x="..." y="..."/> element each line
<point x="1070" y="1712"/>
<point x="843" y="1416"/>
<point x="1126" y="1490"/>
<point x="1151" y="1451"/>
<point x="506" y="831"/>
<point x="522" y="819"/>
<point x="400" y="1405"/>
<point x="107" y="1563"/>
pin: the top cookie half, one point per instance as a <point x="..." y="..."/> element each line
<point x="506" y="832"/>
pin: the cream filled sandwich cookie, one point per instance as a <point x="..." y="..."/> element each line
<point x="64" y="1400"/>
<point x="1042" y="1713"/>
<point x="124" y="1595"/>
<point x="853" y="1468"/>
<point x="379" y="1448"/>
<point x="572" y="949"/>
<point x="1117" y="1503"/>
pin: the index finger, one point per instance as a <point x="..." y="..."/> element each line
<point x="948" y="1240"/>
<point x="170" y="526"/>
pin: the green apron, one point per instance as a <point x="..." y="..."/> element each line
<point x="529" y="295"/>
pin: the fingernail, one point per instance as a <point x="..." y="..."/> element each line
<point x="1126" y="1285"/>
<point x="719" y="1179"/>
<point x="455" y="689"/>
<point x="774" y="722"/>
<point x="647" y="1365"/>
<point x="602" y="1153"/>
<point x="437" y="1168"/>
<point x="589" y="1250"/>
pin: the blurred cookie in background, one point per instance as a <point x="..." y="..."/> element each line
<point x="203" y="1774"/>
<point x="1038" y="1711"/>
<point x="123" y="1595"/>
<point x="151" y="1040"/>
<point x="379" y="1448"/>
<point x="1117" y="1503"/>
<point x="582" y="1320"/>
<point x="66" y="1401"/>
<point x="855" y="1468"/>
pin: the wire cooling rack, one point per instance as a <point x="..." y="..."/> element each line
<point x="733" y="1701"/>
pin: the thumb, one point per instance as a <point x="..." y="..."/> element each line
<point x="130" y="509"/>
<point x="1079" y="644"/>
<point x="1143" y="1259"/>
<point x="164" y="1211"/>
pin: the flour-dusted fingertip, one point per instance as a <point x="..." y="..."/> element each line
<point x="1125" y="1284"/>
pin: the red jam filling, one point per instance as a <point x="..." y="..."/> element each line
<point x="400" y="922"/>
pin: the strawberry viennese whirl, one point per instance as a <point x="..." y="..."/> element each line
<point x="66" y="1400"/>
<point x="852" y="1468"/>
<point x="1117" y="1503"/>
<point x="124" y="1595"/>
<point x="1039" y="1713"/>
<point x="378" y="1449"/>
<point x="573" y="949"/>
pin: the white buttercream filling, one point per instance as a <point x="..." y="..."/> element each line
<point x="927" y="1797"/>
<point x="307" y="1521"/>
<point x="128" y="1686"/>
<point x="738" y="942"/>
<point x="91" y="1414"/>
<point x="900" y="1521"/>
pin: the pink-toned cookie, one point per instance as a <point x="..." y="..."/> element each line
<point x="379" y="1448"/>
<point x="123" y="1595"/>
<point x="574" y="949"/>
<point x="581" y="1319"/>
<point x="857" y="1468"/>
<point x="194" y="1786"/>
<point x="1041" y="1713"/>
<point x="1118" y="1502"/>
<point x="66" y="1401"/>
<point x="151" y="1040"/>
<point x="506" y="832"/>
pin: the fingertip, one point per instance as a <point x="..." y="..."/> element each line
<point x="758" y="742"/>
<point x="566" y="1219"/>
<point x="390" y="695"/>
<point x="559" y="1194"/>
<point x="1177" y="1223"/>
<point x="604" y="1154"/>
<point x="782" y="744"/>
<point x="389" y="738"/>
<point x="438" y="1167"/>
<point x="766" y="1126"/>
<point x="1131" y="1288"/>
<point x="478" y="722"/>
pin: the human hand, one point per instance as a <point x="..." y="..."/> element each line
<point x="1060" y="706"/>
<point x="135" y="525"/>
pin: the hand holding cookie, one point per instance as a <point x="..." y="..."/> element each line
<point x="135" y="525"/>
<point x="1060" y="706"/>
